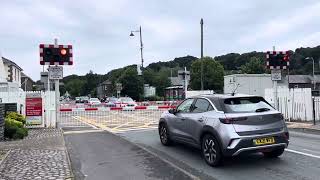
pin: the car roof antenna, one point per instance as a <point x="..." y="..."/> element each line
<point x="235" y="89"/>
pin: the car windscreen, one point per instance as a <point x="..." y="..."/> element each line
<point x="246" y="105"/>
<point x="126" y="99"/>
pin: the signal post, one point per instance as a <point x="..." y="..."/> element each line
<point x="55" y="56"/>
<point x="276" y="62"/>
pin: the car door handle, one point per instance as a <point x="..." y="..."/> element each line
<point x="182" y="119"/>
<point x="200" y="119"/>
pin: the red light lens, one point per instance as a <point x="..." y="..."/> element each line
<point x="63" y="51"/>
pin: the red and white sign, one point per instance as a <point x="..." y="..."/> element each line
<point x="34" y="110"/>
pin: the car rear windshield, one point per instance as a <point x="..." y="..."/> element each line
<point x="246" y="105"/>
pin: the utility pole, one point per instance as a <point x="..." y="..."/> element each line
<point x="201" y="23"/>
<point x="314" y="82"/>
<point x="275" y="89"/>
<point x="57" y="93"/>
<point x="141" y="47"/>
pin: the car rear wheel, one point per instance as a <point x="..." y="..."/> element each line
<point x="274" y="154"/>
<point x="164" y="134"/>
<point x="211" y="150"/>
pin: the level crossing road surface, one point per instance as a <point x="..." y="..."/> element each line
<point x="113" y="121"/>
<point x="300" y="161"/>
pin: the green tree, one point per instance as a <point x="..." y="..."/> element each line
<point x="213" y="73"/>
<point x="254" y="66"/>
<point x="75" y="87"/>
<point x="132" y="84"/>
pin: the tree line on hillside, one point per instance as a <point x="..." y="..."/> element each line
<point x="156" y="74"/>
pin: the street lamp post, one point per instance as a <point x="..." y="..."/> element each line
<point x="314" y="84"/>
<point x="141" y="44"/>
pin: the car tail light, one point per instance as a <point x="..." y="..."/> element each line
<point x="227" y="120"/>
<point x="286" y="135"/>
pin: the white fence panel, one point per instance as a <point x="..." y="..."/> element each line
<point x="295" y="104"/>
<point x="49" y="107"/>
<point x="48" y="102"/>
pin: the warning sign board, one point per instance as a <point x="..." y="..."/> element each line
<point x="55" y="72"/>
<point x="276" y="74"/>
<point x="34" y="110"/>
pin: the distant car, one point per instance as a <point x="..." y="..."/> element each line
<point x="127" y="102"/>
<point x="78" y="100"/>
<point x="84" y="99"/>
<point x="226" y="125"/>
<point x="111" y="102"/>
<point x="94" y="101"/>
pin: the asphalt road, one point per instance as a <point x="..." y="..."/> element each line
<point x="300" y="161"/>
<point x="101" y="155"/>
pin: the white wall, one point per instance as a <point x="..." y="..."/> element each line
<point x="149" y="91"/>
<point x="253" y="84"/>
<point x="16" y="74"/>
<point x="196" y="93"/>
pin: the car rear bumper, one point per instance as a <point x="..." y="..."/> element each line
<point x="246" y="145"/>
<point x="260" y="148"/>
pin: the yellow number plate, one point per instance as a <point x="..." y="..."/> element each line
<point x="264" y="141"/>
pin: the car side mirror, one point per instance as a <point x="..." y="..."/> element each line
<point x="172" y="111"/>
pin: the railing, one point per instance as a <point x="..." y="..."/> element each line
<point x="114" y="119"/>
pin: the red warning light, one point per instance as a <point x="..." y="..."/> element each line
<point x="63" y="51"/>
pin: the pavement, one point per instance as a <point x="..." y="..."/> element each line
<point x="300" y="160"/>
<point x="102" y="155"/>
<point x="41" y="155"/>
<point x="307" y="127"/>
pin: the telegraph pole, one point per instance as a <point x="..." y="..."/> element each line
<point x="141" y="47"/>
<point x="201" y="23"/>
<point x="275" y="89"/>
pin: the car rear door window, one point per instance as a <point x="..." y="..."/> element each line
<point x="201" y="105"/>
<point x="246" y="104"/>
<point x="185" y="106"/>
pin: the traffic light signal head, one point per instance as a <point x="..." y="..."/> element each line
<point x="277" y="59"/>
<point x="56" y="54"/>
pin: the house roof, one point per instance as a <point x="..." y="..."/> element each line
<point x="303" y="79"/>
<point x="9" y="62"/>
<point x="23" y="75"/>
<point x="106" y="82"/>
<point x="300" y="79"/>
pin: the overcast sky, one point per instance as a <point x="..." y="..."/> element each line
<point x="99" y="30"/>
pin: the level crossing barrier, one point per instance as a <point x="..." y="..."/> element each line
<point x="112" y="118"/>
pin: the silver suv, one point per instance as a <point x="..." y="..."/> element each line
<point x="225" y="125"/>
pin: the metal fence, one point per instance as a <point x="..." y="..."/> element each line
<point x="112" y="119"/>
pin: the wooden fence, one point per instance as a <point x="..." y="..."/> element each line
<point x="295" y="104"/>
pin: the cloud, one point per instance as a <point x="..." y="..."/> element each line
<point x="282" y="25"/>
<point x="99" y="30"/>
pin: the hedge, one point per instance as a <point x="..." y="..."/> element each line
<point x="14" y="126"/>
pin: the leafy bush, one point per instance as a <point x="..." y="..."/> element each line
<point x="14" y="129"/>
<point x="17" y="117"/>
<point x="20" y="133"/>
<point x="154" y="98"/>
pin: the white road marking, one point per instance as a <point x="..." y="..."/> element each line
<point x="79" y="119"/>
<point x="82" y="131"/>
<point x="317" y="152"/>
<point x="302" y="153"/>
